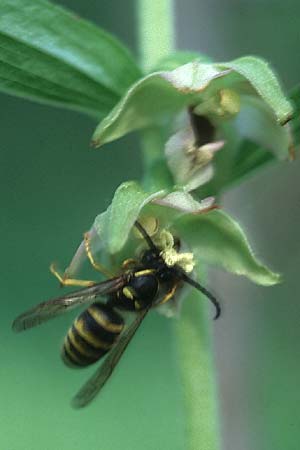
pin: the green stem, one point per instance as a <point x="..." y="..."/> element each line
<point x="152" y="146"/>
<point x="156" y="30"/>
<point x="191" y="335"/>
<point x="156" y="40"/>
<point x="156" y="174"/>
<point x="193" y="343"/>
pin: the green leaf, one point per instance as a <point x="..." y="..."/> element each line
<point x="114" y="226"/>
<point x="158" y="96"/>
<point x="219" y="240"/>
<point x="250" y="157"/>
<point x="51" y="55"/>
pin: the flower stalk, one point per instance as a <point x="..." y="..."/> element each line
<point x="193" y="345"/>
<point x="192" y="337"/>
<point x="155" y="30"/>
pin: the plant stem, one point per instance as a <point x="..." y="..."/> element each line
<point x="192" y="338"/>
<point x="156" y="40"/>
<point x="193" y="343"/>
<point x="156" y="30"/>
<point x="156" y="176"/>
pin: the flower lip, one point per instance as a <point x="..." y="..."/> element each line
<point x="203" y="129"/>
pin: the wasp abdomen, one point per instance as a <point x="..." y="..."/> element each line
<point x="92" y="335"/>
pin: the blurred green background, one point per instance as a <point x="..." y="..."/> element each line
<point x="53" y="185"/>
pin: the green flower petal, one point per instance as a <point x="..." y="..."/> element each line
<point x="264" y="81"/>
<point x="162" y="94"/>
<point x="256" y="123"/>
<point x="219" y="240"/>
<point x="115" y="224"/>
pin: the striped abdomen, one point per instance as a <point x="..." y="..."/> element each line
<point x="92" y="335"/>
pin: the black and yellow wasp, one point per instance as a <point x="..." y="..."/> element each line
<point x="100" y="329"/>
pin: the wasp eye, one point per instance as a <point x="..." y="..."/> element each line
<point x="165" y="275"/>
<point x="149" y="256"/>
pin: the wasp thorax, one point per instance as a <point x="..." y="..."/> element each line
<point x="145" y="286"/>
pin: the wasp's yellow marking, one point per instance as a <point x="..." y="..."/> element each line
<point x="71" y="353"/>
<point x="128" y="263"/>
<point x="96" y="265"/>
<point x="108" y="326"/>
<point x="81" y="349"/>
<point x="137" y="305"/>
<point x="66" y="281"/>
<point x="128" y="293"/>
<point x="169" y="295"/>
<point x="141" y="273"/>
<point x="89" y="337"/>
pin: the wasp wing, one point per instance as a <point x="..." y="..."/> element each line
<point x="94" y="384"/>
<point x="55" y="307"/>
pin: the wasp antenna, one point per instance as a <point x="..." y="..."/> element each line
<point x="204" y="291"/>
<point x="145" y="236"/>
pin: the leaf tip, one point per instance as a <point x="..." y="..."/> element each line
<point x="95" y="143"/>
<point x="286" y="119"/>
<point x="277" y="278"/>
<point x="270" y="278"/>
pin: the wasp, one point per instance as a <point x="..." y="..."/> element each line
<point x="100" y="329"/>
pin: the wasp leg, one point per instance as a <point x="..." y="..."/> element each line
<point x="66" y="281"/>
<point x="129" y="264"/>
<point x="97" y="266"/>
<point x="169" y="295"/>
